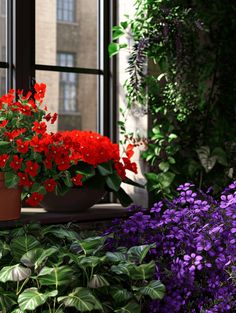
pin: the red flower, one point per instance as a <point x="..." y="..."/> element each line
<point x="50" y="184"/>
<point x="130" y="166"/>
<point x="22" y="146"/>
<point x="120" y="170"/>
<point x="35" y="143"/>
<point x="24" y="180"/>
<point x="63" y="164"/>
<point x="34" y="199"/>
<point x="54" y="118"/>
<point x="16" y="163"/>
<point x="3" y="159"/>
<point x="48" y="162"/>
<point x="77" y="180"/>
<point x="40" y="128"/>
<point x="24" y="109"/>
<point x="40" y="91"/>
<point x="15" y="133"/>
<point x="4" y="123"/>
<point x="47" y="117"/>
<point x="32" y="168"/>
<point x="129" y="151"/>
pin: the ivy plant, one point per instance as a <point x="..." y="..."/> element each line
<point x="190" y="87"/>
<point x="52" y="269"/>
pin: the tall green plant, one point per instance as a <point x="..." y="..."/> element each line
<point x="190" y="87"/>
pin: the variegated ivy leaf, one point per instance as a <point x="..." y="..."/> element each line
<point x="14" y="273"/>
<point x="207" y="161"/>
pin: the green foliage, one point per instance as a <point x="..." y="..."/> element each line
<point x="190" y="89"/>
<point x="51" y="269"/>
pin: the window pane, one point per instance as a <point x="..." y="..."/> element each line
<point x="55" y="32"/>
<point x="2" y="81"/>
<point x="69" y="95"/>
<point x="2" y="30"/>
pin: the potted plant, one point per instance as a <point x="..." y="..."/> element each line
<point x="41" y="163"/>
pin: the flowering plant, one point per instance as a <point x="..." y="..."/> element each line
<point x="41" y="162"/>
<point x="195" y="249"/>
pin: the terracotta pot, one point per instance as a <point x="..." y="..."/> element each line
<point x="75" y="200"/>
<point x="10" y="201"/>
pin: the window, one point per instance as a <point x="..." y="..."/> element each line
<point x="3" y="7"/>
<point x="72" y="59"/>
<point x="66" y="10"/>
<point x="67" y="83"/>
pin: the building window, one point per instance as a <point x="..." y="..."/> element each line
<point x="67" y="84"/>
<point x="3" y="7"/>
<point x="3" y="85"/>
<point x="66" y="10"/>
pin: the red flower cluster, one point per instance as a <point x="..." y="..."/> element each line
<point x="40" y="162"/>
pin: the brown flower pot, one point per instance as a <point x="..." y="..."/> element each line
<point x="10" y="202"/>
<point x="75" y="200"/>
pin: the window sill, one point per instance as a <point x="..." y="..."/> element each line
<point x="97" y="214"/>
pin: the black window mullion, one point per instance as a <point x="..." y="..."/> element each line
<point x="24" y="43"/>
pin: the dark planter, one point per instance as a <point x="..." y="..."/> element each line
<point x="10" y="203"/>
<point x="75" y="200"/>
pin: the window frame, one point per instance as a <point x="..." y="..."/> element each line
<point x="21" y="64"/>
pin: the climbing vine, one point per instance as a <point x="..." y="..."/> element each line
<point x="190" y="87"/>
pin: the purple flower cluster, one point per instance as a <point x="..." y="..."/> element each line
<point x="195" y="251"/>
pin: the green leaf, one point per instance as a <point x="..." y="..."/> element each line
<point x="121" y="269"/>
<point x="123" y="197"/>
<point x="172" y="137"/>
<point x="117" y="34"/>
<point x="60" y="232"/>
<point x="66" y="177"/>
<point x="124" y="24"/>
<point x="207" y="161"/>
<point x="133" y="183"/>
<point x="171" y="160"/>
<point x="113" y="181"/>
<point x="82" y="299"/>
<point x="30" y="257"/>
<point x="113" y="49"/>
<point x="115" y="257"/>
<point x="11" y="180"/>
<point x="22" y="244"/>
<point x="98" y="281"/>
<point x="90" y="245"/>
<point x="152" y="176"/>
<point x="90" y="261"/>
<point x="7" y="300"/>
<point x="85" y="169"/>
<point x="14" y="273"/>
<point x="38" y="188"/>
<point x="56" y="275"/>
<point x="31" y="298"/>
<point x="121" y="295"/>
<point x="141" y="272"/>
<point x="35" y="257"/>
<point x="139" y="252"/>
<point x="155" y="290"/>
<point x="4" y="146"/>
<point x="105" y="168"/>
<point x="164" y="166"/>
<point x="165" y="179"/>
<point x="220" y="155"/>
<point x="131" y="307"/>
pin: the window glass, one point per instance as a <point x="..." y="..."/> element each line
<point x="2" y="81"/>
<point x="2" y="30"/>
<point x="79" y="37"/>
<point x="74" y="102"/>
